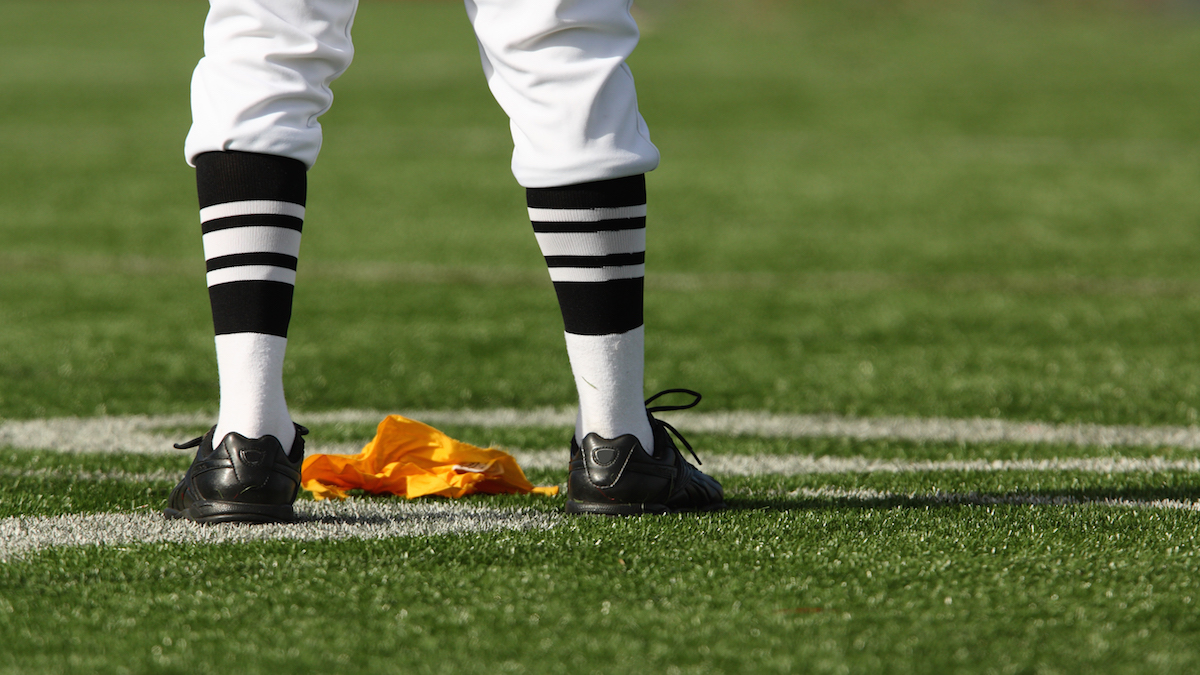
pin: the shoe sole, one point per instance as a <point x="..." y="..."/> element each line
<point x="594" y="508"/>
<point x="213" y="512"/>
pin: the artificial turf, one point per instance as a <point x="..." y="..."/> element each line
<point x="958" y="209"/>
<point x="783" y="582"/>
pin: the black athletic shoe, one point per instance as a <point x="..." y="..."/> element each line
<point x="242" y="480"/>
<point x="617" y="477"/>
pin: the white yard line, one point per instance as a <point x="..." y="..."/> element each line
<point x="144" y="434"/>
<point x="352" y="519"/>
<point x="750" y="465"/>
<point x="865" y="497"/>
<point x="796" y="465"/>
<point x="430" y="273"/>
<point x="159" y="476"/>
<point x="369" y="519"/>
<point x="361" y="519"/>
<point x="936" y="429"/>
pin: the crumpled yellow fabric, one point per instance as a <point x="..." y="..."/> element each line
<point x="412" y="459"/>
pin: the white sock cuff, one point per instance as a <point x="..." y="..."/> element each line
<point x="609" y="371"/>
<point x="250" y="366"/>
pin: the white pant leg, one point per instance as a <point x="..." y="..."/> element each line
<point x="557" y="67"/>
<point x="264" y="79"/>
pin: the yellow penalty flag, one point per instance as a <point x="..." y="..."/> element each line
<point x="412" y="459"/>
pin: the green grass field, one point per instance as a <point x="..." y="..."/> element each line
<point x="868" y="209"/>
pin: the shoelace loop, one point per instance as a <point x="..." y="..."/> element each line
<point x="666" y="408"/>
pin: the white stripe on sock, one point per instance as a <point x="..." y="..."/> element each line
<point x="586" y="215"/>
<point x="254" y="207"/>
<point x="597" y="274"/>
<point x="592" y="243"/>
<point x="251" y="273"/>
<point x="255" y="239"/>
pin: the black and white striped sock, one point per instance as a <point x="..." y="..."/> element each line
<point x="251" y="214"/>
<point x="593" y="236"/>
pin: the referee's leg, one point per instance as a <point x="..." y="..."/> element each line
<point x="581" y="150"/>
<point x="256" y="97"/>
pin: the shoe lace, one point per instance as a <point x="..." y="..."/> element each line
<point x="666" y="408"/>
<point x="194" y="443"/>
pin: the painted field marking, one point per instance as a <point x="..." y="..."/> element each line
<point x="797" y="465"/>
<point x="535" y="277"/>
<point x="146" y="434"/>
<point x="748" y="465"/>
<point x="867" y="497"/>
<point x="363" y="519"/>
<point x="158" y="476"/>
<point x="397" y="518"/>
<point x="351" y="519"/>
